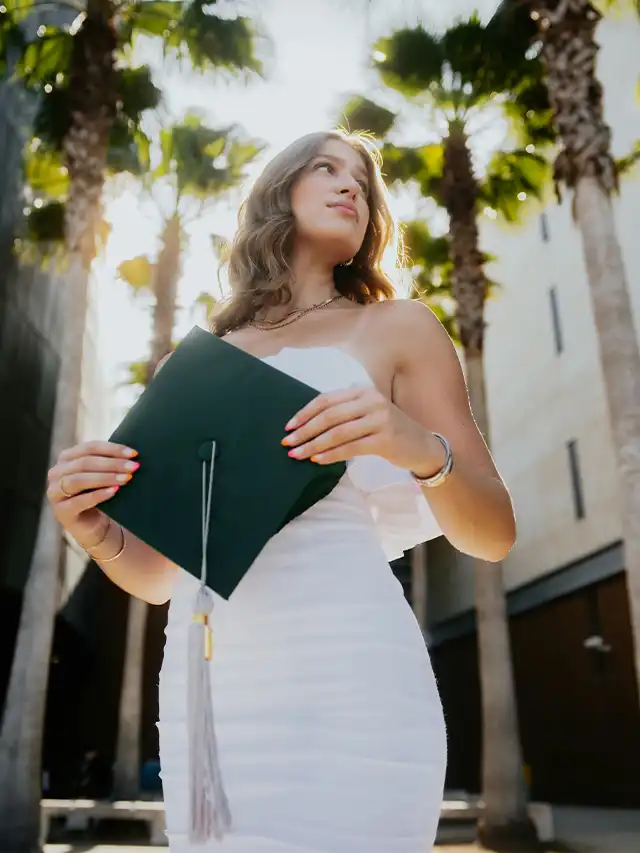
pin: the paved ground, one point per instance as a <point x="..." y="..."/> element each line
<point x="103" y="848"/>
<point x="611" y="845"/>
<point x="581" y="830"/>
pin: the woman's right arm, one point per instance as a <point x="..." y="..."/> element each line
<point x="84" y="477"/>
<point x="140" y="570"/>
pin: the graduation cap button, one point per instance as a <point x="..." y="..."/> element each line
<point x="205" y="450"/>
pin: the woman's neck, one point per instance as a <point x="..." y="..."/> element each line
<point x="312" y="281"/>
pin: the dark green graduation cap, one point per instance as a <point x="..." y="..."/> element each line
<point x="211" y="399"/>
<point x="214" y="485"/>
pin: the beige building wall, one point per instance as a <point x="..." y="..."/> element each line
<point x="539" y="399"/>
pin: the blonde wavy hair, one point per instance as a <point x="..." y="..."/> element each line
<point x="259" y="268"/>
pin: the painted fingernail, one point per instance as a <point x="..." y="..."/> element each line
<point x="291" y="424"/>
<point x="131" y="466"/>
<point x="123" y="478"/>
<point x="113" y="490"/>
<point x="295" y="452"/>
<point x="285" y="441"/>
<point x="129" y="451"/>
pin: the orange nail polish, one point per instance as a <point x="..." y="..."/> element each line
<point x="285" y="441"/>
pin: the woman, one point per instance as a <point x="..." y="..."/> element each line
<point x="330" y="730"/>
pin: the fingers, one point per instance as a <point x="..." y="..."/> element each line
<point x="361" y="447"/>
<point x="97" y="448"/>
<point x="74" y="484"/>
<point x="336" y="419"/>
<point x="82" y="474"/>
<point x="90" y="464"/>
<point x="73" y="507"/>
<point x="345" y="434"/>
<point x="328" y="419"/>
<point x="322" y="402"/>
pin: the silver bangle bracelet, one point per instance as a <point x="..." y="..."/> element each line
<point x="440" y="476"/>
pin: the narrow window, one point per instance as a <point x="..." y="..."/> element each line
<point x="555" y="320"/>
<point x="576" y="479"/>
<point x="544" y="227"/>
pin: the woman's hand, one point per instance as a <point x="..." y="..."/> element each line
<point x="91" y="473"/>
<point x="361" y="421"/>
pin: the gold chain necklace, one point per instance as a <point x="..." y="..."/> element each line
<point x="267" y="325"/>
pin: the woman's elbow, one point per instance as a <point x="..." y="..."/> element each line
<point x="157" y="599"/>
<point x="497" y="551"/>
<point x="498" y="546"/>
<point x="491" y="545"/>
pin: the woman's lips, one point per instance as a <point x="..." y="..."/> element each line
<point x="346" y="209"/>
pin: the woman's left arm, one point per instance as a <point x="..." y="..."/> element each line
<point x="472" y="506"/>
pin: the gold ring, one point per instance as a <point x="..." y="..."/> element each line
<point x="63" y="490"/>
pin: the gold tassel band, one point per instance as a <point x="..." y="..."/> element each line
<point x="203" y="618"/>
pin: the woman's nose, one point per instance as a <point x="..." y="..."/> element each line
<point x="349" y="186"/>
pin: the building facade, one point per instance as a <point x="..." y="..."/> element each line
<point x="551" y="438"/>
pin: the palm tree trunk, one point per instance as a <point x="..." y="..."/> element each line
<point x="23" y="720"/>
<point x="126" y="777"/>
<point x="167" y="274"/>
<point x="127" y="764"/>
<point x="505" y="823"/>
<point x="620" y="360"/>
<point x="569" y="51"/>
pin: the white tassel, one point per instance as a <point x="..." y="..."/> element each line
<point x="210" y="815"/>
<point x="210" y="812"/>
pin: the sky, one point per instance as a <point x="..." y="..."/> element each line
<point x="320" y="50"/>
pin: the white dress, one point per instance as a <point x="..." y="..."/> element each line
<point x="330" y="730"/>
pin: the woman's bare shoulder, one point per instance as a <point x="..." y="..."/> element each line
<point x="407" y="327"/>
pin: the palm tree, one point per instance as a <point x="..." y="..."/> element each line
<point x="198" y="166"/>
<point x="79" y="75"/>
<point x="458" y="77"/>
<point x="565" y="33"/>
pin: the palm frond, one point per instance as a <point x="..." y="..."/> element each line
<point x="12" y="38"/>
<point x="422" y="248"/>
<point x="626" y="164"/>
<point x="410" y="60"/>
<point x="193" y="30"/>
<point x="423" y="165"/>
<point x="46" y="60"/>
<point x="44" y="223"/>
<point x="43" y="234"/>
<point x="205" y="161"/>
<point x="137" y="374"/>
<point x="512" y="179"/>
<point x="44" y="172"/>
<point x="138" y="273"/>
<point x="364" y="116"/>
<point x="137" y="92"/>
<point x="429" y="260"/>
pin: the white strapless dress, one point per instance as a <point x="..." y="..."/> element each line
<point x="330" y="730"/>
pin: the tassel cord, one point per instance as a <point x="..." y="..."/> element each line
<point x="210" y="815"/>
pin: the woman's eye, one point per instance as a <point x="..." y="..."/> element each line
<point x="327" y="166"/>
<point x="364" y="187"/>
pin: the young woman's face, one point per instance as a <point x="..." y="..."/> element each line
<point x="329" y="201"/>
